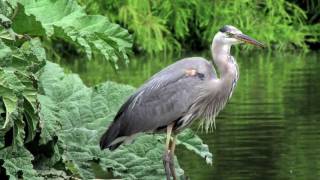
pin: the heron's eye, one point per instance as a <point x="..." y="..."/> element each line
<point x="230" y="35"/>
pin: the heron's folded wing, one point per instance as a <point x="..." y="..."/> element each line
<point x="165" y="98"/>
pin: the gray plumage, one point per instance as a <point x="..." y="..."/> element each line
<point x="182" y="92"/>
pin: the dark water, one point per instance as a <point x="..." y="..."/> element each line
<point x="269" y="130"/>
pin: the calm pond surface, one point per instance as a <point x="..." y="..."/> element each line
<point x="269" y="130"/>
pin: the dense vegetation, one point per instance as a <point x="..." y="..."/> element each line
<point x="50" y="121"/>
<point x="167" y="25"/>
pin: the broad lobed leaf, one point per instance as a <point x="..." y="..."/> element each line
<point x="65" y="19"/>
<point x="17" y="163"/>
<point x="19" y="105"/>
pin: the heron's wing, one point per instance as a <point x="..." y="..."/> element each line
<point x="165" y="98"/>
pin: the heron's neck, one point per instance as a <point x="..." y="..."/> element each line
<point x="226" y="66"/>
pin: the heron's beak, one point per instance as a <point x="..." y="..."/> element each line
<point x="249" y="40"/>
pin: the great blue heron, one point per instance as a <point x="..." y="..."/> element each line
<point x="173" y="98"/>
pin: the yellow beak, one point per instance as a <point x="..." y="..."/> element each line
<point x="249" y="40"/>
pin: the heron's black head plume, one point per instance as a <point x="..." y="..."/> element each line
<point x="225" y="28"/>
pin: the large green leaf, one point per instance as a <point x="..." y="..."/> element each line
<point x="65" y="19"/>
<point x="17" y="163"/>
<point x="78" y="115"/>
<point x="5" y="52"/>
<point x="9" y="87"/>
<point x="10" y="92"/>
<point x="195" y="144"/>
<point x="18" y="89"/>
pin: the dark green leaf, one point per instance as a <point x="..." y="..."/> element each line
<point x="17" y="162"/>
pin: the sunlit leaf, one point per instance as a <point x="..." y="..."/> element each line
<point x="67" y="20"/>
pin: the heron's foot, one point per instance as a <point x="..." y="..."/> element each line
<point x="171" y="163"/>
<point x="166" y="162"/>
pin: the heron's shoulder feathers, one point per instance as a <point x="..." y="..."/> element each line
<point x="199" y="64"/>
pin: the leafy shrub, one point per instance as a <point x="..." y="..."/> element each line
<point x="50" y="121"/>
<point x="72" y="118"/>
<point x="169" y="25"/>
<point x="66" y="20"/>
<point x="18" y="82"/>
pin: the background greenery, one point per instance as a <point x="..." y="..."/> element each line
<point x="172" y="25"/>
<point x="51" y="121"/>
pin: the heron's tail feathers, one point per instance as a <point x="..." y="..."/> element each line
<point x="110" y="140"/>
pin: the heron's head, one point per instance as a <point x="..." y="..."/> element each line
<point x="230" y="35"/>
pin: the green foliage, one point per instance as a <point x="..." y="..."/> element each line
<point x="18" y="159"/>
<point x="168" y="25"/>
<point x="67" y="21"/>
<point x="150" y="31"/>
<point x="50" y="121"/>
<point x="278" y="23"/>
<point x="18" y="88"/>
<point x="19" y="105"/>
<point x="312" y="8"/>
<point x="77" y="116"/>
<point x="195" y="144"/>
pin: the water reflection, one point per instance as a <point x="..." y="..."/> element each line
<point x="269" y="130"/>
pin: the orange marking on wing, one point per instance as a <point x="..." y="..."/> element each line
<point x="191" y="72"/>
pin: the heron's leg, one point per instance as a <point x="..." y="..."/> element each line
<point x="166" y="155"/>
<point x="171" y="154"/>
